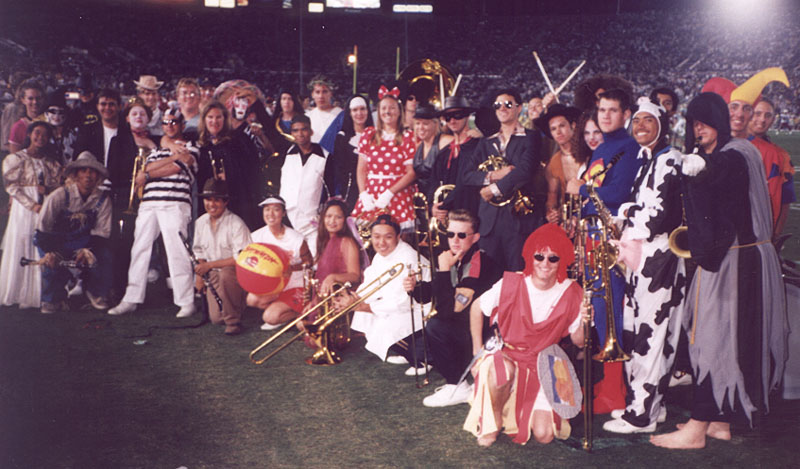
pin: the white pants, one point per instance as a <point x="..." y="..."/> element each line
<point x="168" y="221"/>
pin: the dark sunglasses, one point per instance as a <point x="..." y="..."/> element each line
<point x="455" y="115"/>
<point x="461" y="235"/>
<point x="551" y="259"/>
<point x="508" y="104"/>
<point x="56" y="111"/>
<point x="170" y="122"/>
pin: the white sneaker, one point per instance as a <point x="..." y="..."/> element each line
<point x="186" y="311"/>
<point x="420" y="370"/>
<point x="449" y="394"/>
<point x="622" y="426"/>
<point x="122" y="308"/>
<point x="662" y="414"/>
<point x="396" y="360"/>
<point x="268" y="327"/>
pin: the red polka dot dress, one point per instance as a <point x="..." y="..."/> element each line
<point x="386" y="164"/>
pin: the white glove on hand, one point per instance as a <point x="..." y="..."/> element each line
<point x="384" y="199"/>
<point x="692" y="164"/>
<point x="367" y="201"/>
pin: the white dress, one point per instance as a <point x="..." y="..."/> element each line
<point x="21" y="175"/>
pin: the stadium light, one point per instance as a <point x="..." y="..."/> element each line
<point x="412" y="8"/>
<point x="212" y="3"/>
<point x="227" y="3"/>
<point x="316" y="7"/>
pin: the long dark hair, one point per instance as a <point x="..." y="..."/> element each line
<point x="49" y="150"/>
<point x="205" y="136"/>
<point x="297" y="108"/>
<point x="348" y="127"/>
<point x="580" y="150"/>
<point x="322" y="233"/>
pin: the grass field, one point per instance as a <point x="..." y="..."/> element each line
<point x="87" y="390"/>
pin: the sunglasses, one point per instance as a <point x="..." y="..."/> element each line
<point x="455" y="115"/>
<point x="461" y="235"/>
<point x="552" y="259"/>
<point x="56" y="111"/>
<point x="508" y="104"/>
<point x="170" y="122"/>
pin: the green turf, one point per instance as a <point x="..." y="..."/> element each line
<point x="75" y="392"/>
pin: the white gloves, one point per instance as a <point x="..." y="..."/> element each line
<point x="367" y="201"/>
<point x="692" y="164"/>
<point x="384" y="199"/>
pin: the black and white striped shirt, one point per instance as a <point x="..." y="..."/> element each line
<point x="175" y="188"/>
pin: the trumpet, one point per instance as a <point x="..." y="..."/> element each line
<point x="521" y="203"/>
<point x="325" y="320"/>
<point x="364" y="222"/>
<point x="679" y="237"/>
<point x="138" y="167"/>
<point x="604" y="258"/>
<point x="437" y="227"/>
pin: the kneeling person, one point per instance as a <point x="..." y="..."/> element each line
<point x="532" y="311"/>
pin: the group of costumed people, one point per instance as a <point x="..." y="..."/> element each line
<point x="499" y="277"/>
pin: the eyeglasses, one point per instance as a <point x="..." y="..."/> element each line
<point x="170" y="122"/>
<point x="188" y="94"/>
<point x="552" y="259"/>
<point x="455" y="115"/>
<point x="508" y="104"/>
<point x="462" y="235"/>
<point x="55" y="110"/>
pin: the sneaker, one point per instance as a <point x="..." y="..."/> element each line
<point x="662" y="414"/>
<point x="122" y="308"/>
<point x="449" y="394"/>
<point x="622" y="426"/>
<point x="420" y="370"/>
<point x="76" y="290"/>
<point x="269" y="327"/>
<point x="396" y="360"/>
<point x="186" y="311"/>
<point x="98" y="302"/>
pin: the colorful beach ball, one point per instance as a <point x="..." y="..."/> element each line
<point x="261" y="268"/>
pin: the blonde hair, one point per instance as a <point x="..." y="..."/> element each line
<point x="377" y="139"/>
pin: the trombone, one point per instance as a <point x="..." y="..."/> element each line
<point x="322" y="322"/>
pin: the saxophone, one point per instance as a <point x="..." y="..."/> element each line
<point x="612" y="231"/>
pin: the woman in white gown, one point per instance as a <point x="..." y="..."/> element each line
<point x="28" y="175"/>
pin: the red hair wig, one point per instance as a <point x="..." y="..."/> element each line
<point x="550" y="236"/>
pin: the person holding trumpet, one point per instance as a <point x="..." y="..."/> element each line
<point x="531" y="311"/>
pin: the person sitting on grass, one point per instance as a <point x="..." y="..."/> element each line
<point x="287" y="304"/>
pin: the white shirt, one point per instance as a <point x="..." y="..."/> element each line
<point x="301" y="188"/>
<point x="228" y="238"/>
<point x="542" y="301"/>
<point x="390" y="319"/>
<point x="321" y="120"/>
<point x="108" y="134"/>
<point x="291" y="242"/>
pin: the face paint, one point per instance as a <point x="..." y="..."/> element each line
<point x="240" y="106"/>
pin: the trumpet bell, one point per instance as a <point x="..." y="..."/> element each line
<point x="679" y="242"/>
<point x="422" y="77"/>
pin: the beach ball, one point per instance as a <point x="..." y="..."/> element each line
<point x="262" y="269"/>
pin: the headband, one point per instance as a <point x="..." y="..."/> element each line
<point x="357" y="102"/>
<point x="383" y="92"/>
<point x="272" y="199"/>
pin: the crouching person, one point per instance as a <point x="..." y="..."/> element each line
<point x="219" y="236"/>
<point x="74" y="225"/>
<point x="531" y="311"/>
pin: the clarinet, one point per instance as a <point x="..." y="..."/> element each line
<point x="206" y="278"/>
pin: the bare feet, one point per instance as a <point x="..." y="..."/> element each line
<point x="691" y="435"/>
<point x="488" y="439"/>
<point x="718" y="430"/>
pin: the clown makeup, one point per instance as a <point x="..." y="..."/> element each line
<point x="240" y="105"/>
<point x="137" y="118"/>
